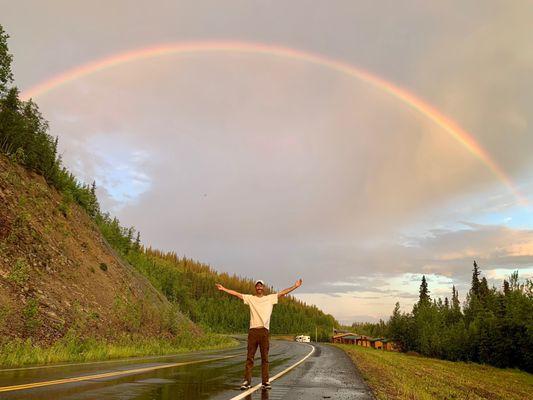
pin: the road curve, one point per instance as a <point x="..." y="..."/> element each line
<point x="326" y="373"/>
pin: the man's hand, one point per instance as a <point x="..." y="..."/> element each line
<point x="298" y="283"/>
<point x="219" y="286"/>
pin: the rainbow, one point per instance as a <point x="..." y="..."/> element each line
<point x="409" y="99"/>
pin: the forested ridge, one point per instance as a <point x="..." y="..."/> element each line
<point x="492" y="326"/>
<point x="191" y="285"/>
<point x="188" y="284"/>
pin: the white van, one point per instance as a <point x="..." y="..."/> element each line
<point x="303" y="339"/>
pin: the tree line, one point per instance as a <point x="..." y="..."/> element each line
<point x="493" y="326"/>
<point x="25" y="139"/>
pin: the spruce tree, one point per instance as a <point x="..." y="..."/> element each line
<point x="138" y="241"/>
<point x="474" y="291"/>
<point x="93" y="207"/>
<point x="506" y="287"/>
<point x="6" y="76"/>
<point x="455" y="299"/>
<point x="484" y="290"/>
<point x="424" y="299"/>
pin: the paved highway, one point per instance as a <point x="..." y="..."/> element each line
<point x="326" y="373"/>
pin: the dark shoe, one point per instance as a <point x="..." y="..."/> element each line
<point x="245" y="385"/>
<point x="266" y="386"/>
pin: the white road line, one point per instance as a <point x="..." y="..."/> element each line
<point x="278" y="375"/>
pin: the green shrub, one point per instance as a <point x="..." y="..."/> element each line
<point x="20" y="272"/>
<point x="31" y="316"/>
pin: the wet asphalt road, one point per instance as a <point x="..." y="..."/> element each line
<point x="328" y="373"/>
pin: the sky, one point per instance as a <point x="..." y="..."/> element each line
<point x="275" y="167"/>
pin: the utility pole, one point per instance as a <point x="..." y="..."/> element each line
<point x="316" y="334"/>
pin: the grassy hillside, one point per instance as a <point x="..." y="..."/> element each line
<point x="399" y="376"/>
<point x="61" y="281"/>
<point x="58" y="273"/>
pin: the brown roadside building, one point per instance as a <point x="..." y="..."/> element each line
<point x="390" y="345"/>
<point x="364" y="341"/>
<point x="376" y="343"/>
<point x="345" y="338"/>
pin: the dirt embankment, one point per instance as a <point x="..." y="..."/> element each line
<point x="58" y="274"/>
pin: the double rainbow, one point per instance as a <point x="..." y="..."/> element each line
<point x="409" y="99"/>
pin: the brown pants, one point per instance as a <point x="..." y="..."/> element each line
<point x="257" y="337"/>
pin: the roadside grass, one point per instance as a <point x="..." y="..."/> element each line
<point x="400" y="376"/>
<point x="17" y="353"/>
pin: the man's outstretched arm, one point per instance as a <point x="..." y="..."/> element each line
<point x="229" y="291"/>
<point x="288" y="290"/>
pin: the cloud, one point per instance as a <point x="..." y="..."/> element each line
<point x="394" y="270"/>
<point x="118" y="169"/>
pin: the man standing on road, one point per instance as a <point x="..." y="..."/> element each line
<point x="258" y="334"/>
